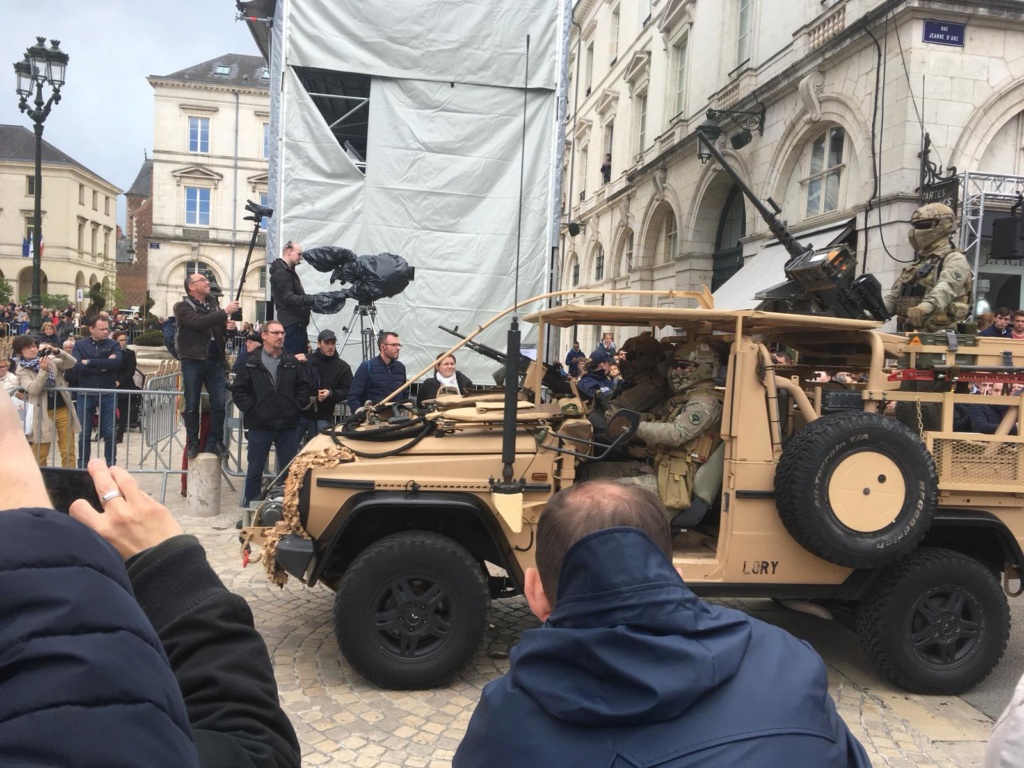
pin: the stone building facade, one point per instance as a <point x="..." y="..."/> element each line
<point x="847" y="90"/>
<point x="79" y="220"/>
<point x="210" y="147"/>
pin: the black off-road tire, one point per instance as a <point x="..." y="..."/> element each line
<point x="411" y="610"/>
<point x="936" y="623"/>
<point x="820" y="492"/>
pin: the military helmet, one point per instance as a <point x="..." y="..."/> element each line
<point x="931" y="225"/>
<point x="692" y="362"/>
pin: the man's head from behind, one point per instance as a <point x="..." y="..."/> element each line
<point x="581" y="510"/>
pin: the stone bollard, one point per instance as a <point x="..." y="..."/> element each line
<point x="203" y="486"/>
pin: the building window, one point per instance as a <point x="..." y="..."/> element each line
<point x="81" y="194"/>
<point x="614" y="39"/>
<point x="222" y="69"/>
<point x="644" y="7"/>
<point x="264" y="199"/>
<point x="599" y="264"/>
<point x="671" y="237"/>
<point x="95" y="200"/>
<point x="588" y="72"/>
<point x="641" y="124"/>
<point x="30" y="185"/>
<point x="199" y="134"/>
<point x="266" y="140"/>
<point x="743" y="32"/>
<point x="584" y="160"/>
<point x="106" y="206"/>
<point x="825" y="173"/>
<point x="679" y="72"/>
<point x="94" y="240"/>
<point x="263" y="278"/>
<point x="30" y="224"/>
<point x="627" y="254"/>
<point x="81" y="235"/>
<point x="575" y="279"/>
<point x="106" y="243"/>
<point x="197" y="206"/>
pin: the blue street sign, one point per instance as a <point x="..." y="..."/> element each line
<point x="944" y="32"/>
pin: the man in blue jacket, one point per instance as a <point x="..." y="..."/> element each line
<point x="630" y="668"/>
<point x="377" y="378"/>
<point x="98" y="358"/>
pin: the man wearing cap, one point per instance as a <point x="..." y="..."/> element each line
<point x="253" y="341"/>
<point x="332" y="377"/>
<point x="596" y="379"/>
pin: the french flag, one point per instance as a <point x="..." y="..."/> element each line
<point x="26" y="246"/>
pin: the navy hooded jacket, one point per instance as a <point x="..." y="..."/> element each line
<point x="84" y="680"/>
<point x="632" y="669"/>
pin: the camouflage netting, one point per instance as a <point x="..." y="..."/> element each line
<point x="329" y="457"/>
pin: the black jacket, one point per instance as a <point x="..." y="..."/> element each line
<point x="195" y="325"/>
<point x="126" y="371"/>
<point x="267" y="405"/>
<point x="219" y="659"/>
<point x="290" y="301"/>
<point x="331" y="373"/>
<point x="429" y="386"/>
<point x="96" y="368"/>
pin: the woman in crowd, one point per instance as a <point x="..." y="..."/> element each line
<point x="48" y="335"/>
<point x="52" y="414"/>
<point x="7" y="379"/>
<point x="444" y="375"/>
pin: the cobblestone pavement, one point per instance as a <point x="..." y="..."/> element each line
<point x="343" y="721"/>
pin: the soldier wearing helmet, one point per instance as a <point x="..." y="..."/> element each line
<point x="684" y="433"/>
<point x="933" y="293"/>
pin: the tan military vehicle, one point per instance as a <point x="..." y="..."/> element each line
<point x="829" y="493"/>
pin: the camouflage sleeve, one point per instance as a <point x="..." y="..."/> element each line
<point x="697" y="416"/>
<point x="950" y="283"/>
<point x="894" y="293"/>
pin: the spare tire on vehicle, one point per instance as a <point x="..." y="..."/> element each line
<point x="857" y="489"/>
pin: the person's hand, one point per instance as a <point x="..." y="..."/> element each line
<point x="19" y="473"/>
<point x="44" y="363"/>
<point x="617" y="424"/>
<point x="131" y="521"/>
<point x="916" y="316"/>
<point x="322" y="394"/>
<point x="232" y="325"/>
<point x="111" y="356"/>
<point x="300" y="357"/>
<point x="231" y="307"/>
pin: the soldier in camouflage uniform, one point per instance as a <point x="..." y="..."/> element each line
<point x="933" y="293"/>
<point x="683" y="433"/>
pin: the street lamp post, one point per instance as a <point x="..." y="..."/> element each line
<point x="41" y="66"/>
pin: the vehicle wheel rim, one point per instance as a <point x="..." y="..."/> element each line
<point x="413" y="617"/>
<point x="946" y="627"/>
<point x="866" y="491"/>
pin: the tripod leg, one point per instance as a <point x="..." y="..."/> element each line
<point x="348" y="331"/>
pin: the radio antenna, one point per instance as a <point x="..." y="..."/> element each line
<point x="522" y="166"/>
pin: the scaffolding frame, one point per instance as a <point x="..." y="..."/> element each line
<point x="977" y="190"/>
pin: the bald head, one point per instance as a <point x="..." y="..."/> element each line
<point x="593" y="506"/>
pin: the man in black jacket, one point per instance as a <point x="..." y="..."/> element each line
<point x="201" y="331"/>
<point x="291" y="302"/>
<point x="98" y="358"/>
<point x="270" y="390"/>
<point x="333" y="376"/>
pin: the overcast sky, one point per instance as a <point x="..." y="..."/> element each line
<point x="105" y="116"/>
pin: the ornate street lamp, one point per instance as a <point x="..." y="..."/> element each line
<point x="40" y="67"/>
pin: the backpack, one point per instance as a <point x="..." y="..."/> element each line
<point x="170" y="331"/>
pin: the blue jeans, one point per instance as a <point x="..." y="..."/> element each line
<point x="86" y="406"/>
<point x="295" y="339"/>
<point x="310" y="428"/>
<point x="194" y="374"/>
<point x="285" y="441"/>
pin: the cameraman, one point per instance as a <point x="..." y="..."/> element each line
<point x="291" y="302"/>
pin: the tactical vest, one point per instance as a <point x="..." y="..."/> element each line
<point x="676" y="466"/>
<point x="917" y="280"/>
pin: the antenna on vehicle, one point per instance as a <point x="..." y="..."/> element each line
<point x="508" y="493"/>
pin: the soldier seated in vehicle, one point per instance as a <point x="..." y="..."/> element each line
<point x="681" y="437"/>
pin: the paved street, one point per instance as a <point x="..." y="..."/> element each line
<point x="343" y="721"/>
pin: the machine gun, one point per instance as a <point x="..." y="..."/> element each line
<point x="819" y="282"/>
<point x="553" y="377"/>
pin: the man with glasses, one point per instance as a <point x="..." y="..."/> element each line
<point x="934" y="293"/>
<point x="291" y="302"/>
<point x="202" y="327"/>
<point x="270" y="390"/>
<point x="377" y="378"/>
<point x="98" y="358"/>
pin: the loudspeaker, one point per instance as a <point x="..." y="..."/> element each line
<point x="1006" y="239"/>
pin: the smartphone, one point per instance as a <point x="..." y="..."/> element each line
<point x="66" y="485"/>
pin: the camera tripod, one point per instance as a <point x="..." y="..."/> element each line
<point x="369" y="329"/>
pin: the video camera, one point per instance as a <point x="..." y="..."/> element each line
<point x="259" y="212"/>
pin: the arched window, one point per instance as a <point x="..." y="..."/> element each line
<point x="574" y="279"/>
<point x="599" y="263"/>
<point x="671" y="237"/>
<point x="627" y="254"/>
<point x="732" y="224"/>
<point x="825" y="164"/>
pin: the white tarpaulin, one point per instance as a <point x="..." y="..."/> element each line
<point x="444" y="140"/>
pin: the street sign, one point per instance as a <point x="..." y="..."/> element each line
<point x="944" y="32"/>
<point x="946" y="192"/>
<point x="81" y="295"/>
